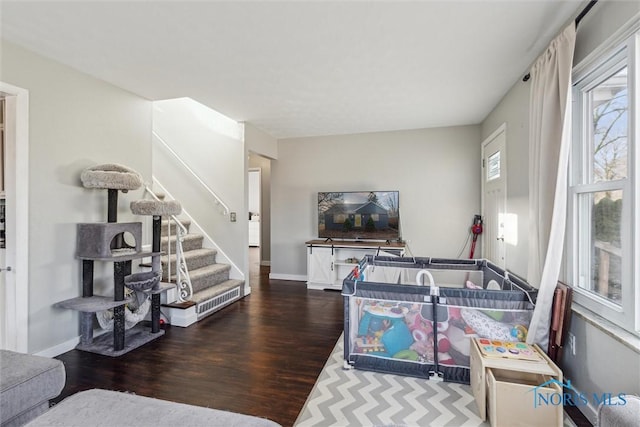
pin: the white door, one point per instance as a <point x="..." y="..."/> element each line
<point x="254" y="184"/>
<point x="4" y="339"/>
<point x="494" y="196"/>
<point x="14" y="282"/>
<point x="321" y="270"/>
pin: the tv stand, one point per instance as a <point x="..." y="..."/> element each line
<point x="329" y="262"/>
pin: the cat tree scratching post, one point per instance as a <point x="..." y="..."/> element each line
<point x="105" y="242"/>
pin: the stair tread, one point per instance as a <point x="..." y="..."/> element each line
<point x="207" y="270"/>
<point x="188" y="236"/>
<point x="193" y="253"/>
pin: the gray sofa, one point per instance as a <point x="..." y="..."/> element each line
<point x="28" y="382"/>
<point x="97" y="408"/>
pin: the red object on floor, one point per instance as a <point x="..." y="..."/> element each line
<point x="476" y="229"/>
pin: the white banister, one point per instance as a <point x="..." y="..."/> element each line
<point x="183" y="282"/>
<point x="218" y="200"/>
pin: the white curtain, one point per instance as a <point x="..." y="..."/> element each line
<point x="549" y="144"/>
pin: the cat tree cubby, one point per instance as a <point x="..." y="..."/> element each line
<point x="106" y="242"/>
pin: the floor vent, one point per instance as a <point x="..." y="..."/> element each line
<point x="217" y="302"/>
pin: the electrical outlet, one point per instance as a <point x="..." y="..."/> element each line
<point x="572" y="343"/>
<point x="232" y="216"/>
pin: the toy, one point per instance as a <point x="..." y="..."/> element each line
<point x="407" y="355"/>
<point x="442" y="326"/>
<point x="519" y="332"/>
<point x="382" y="330"/>
<point x="486" y="326"/>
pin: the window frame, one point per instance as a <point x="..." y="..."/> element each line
<point x="623" y="50"/>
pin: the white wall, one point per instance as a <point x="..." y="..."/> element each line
<point x="260" y="142"/>
<point x="513" y="110"/>
<point x="212" y="146"/>
<point x="261" y="149"/>
<point x="75" y="121"/>
<point x="602" y="363"/>
<point x="436" y="171"/>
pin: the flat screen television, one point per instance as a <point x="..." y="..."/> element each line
<point x="367" y="215"/>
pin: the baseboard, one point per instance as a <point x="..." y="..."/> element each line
<point x="68" y="345"/>
<point x="181" y="317"/>
<point x="588" y="410"/>
<point x="296" y="277"/>
<point x="57" y="350"/>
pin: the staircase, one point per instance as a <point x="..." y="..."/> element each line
<point x="212" y="287"/>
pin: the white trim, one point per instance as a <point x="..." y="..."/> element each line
<point x="181" y="317"/>
<point x="607" y="48"/>
<point x="208" y="242"/>
<point x="59" y="349"/>
<point x="607" y="327"/>
<point x="621" y="49"/>
<point x="17" y="101"/>
<point x="296" y="277"/>
<point x="503" y="173"/>
<point x="588" y="410"/>
<point x="68" y="345"/>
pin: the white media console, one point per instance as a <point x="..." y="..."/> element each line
<point x="329" y="262"/>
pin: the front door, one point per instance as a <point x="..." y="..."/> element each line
<point x="494" y="196"/>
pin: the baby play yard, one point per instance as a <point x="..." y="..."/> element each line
<point x="415" y="316"/>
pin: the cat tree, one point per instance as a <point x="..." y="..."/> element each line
<point x="105" y="242"/>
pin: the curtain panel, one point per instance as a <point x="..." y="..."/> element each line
<point x="549" y="144"/>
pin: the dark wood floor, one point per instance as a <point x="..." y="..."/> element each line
<point x="259" y="356"/>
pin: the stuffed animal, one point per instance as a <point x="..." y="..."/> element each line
<point x="422" y="333"/>
<point x="486" y="326"/>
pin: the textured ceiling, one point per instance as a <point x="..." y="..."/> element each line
<point x="302" y="68"/>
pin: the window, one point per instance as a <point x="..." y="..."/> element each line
<point x="604" y="185"/>
<point x="493" y="171"/>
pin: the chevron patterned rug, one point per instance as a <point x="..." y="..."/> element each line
<point x="342" y="398"/>
<point x="353" y="398"/>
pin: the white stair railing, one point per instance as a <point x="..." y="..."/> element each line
<point x="224" y="209"/>
<point x="183" y="282"/>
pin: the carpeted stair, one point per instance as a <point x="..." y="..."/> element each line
<point x="212" y="288"/>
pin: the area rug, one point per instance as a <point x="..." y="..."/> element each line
<point x="342" y="398"/>
<point x="346" y="398"/>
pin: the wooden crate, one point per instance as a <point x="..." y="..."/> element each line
<point x="511" y="399"/>
<point x="508" y="388"/>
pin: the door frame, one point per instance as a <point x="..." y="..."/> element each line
<point x="17" y="214"/>
<point x="503" y="172"/>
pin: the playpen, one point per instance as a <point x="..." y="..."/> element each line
<point x="414" y="316"/>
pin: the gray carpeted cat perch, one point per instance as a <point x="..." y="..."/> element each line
<point x="156" y="207"/>
<point x="111" y="176"/>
